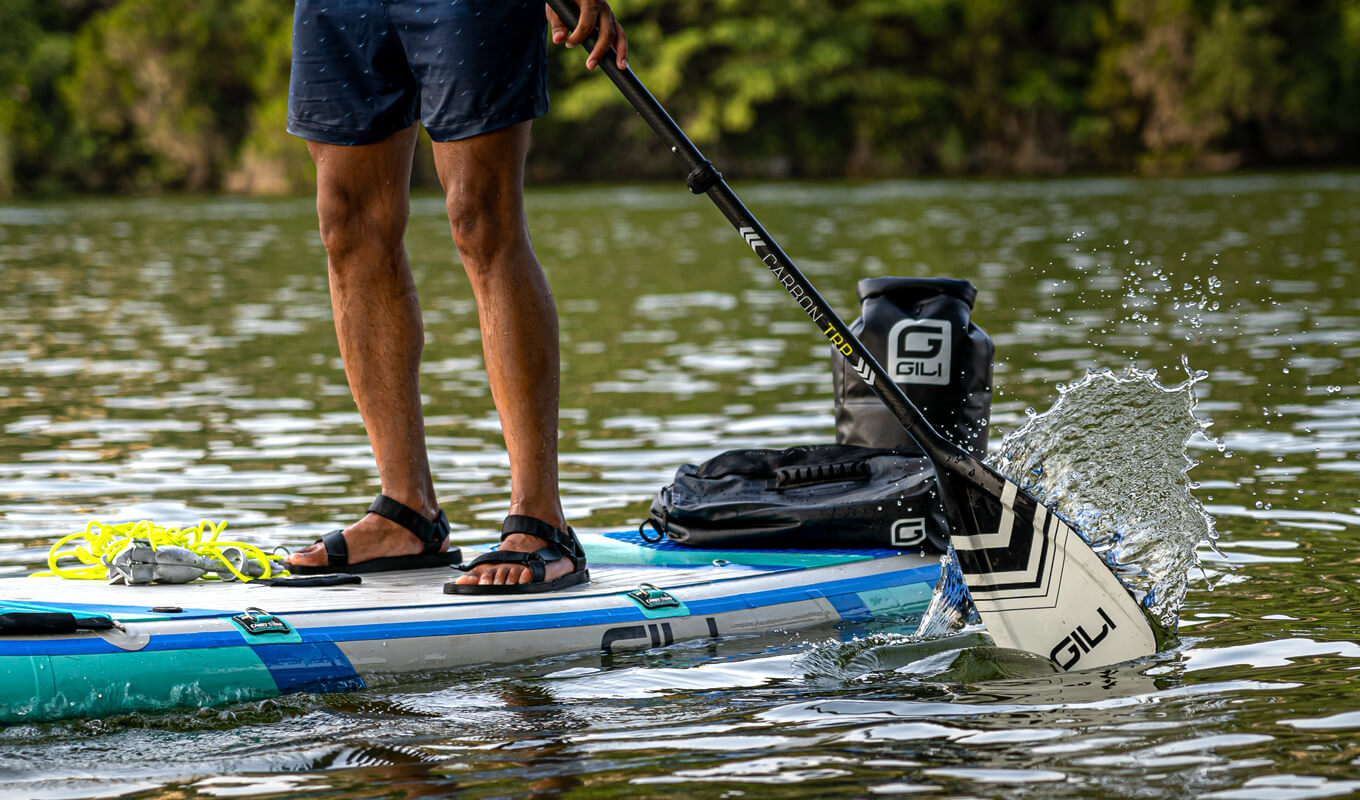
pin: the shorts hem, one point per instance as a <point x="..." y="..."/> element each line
<point x="469" y="128"/>
<point x="326" y="134"/>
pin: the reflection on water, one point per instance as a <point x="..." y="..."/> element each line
<point x="174" y="359"/>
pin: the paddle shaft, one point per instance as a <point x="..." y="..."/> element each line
<point x="705" y="179"/>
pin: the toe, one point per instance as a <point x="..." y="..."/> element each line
<point x="310" y="556"/>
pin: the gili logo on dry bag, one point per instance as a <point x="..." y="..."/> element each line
<point x="918" y="351"/>
<point x="909" y="532"/>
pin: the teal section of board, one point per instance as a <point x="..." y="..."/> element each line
<point x="663" y="613"/>
<point x="92" y="685"/>
<point x="25" y="683"/>
<point x="14" y="605"/>
<point x="611" y="550"/>
<point x="896" y="601"/>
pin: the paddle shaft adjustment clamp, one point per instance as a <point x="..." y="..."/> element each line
<point x="703" y="177"/>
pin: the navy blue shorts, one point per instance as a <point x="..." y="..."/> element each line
<point x="365" y="69"/>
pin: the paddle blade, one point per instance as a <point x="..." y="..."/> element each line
<point x="1037" y="584"/>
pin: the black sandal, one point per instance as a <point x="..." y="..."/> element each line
<point x="561" y="544"/>
<point x="432" y="533"/>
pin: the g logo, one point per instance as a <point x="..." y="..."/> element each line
<point x="918" y="351"/>
<point x="909" y="532"/>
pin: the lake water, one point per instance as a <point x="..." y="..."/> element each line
<point x="174" y="359"/>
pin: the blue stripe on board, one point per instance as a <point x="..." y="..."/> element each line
<point x="309" y="667"/>
<point x="851" y="607"/>
<point x="491" y="624"/>
<point x="455" y="627"/>
<point x="93" y="644"/>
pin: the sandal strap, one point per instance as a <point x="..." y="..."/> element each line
<point x="337" y="551"/>
<point x="565" y="542"/>
<point x="534" y="561"/>
<point x="431" y="532"/>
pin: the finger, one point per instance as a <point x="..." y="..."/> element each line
<point x="590" y="17"/>
<point x="620" y="46"/>
<point x="559" y="30"/>
<point x="602" y="41"/>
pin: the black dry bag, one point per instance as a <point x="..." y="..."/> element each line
<point x="819" y="497"/>
<point x="919" y="330"/>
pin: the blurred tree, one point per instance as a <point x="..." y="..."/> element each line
<point x="165" y="88"/>
<point x="1240" y="82"/>
<point x="146" y="95"/>
<point x="269" y="160"/>
<point x="22" y="34"/>
<point x="38" y="151"/>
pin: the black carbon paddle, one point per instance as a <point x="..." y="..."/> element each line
<point x="1037" y="584"/>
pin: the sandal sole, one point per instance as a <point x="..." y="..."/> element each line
<point x="385" y="564"/>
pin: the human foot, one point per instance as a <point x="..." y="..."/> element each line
<point x="533" y="557"/>
<point x="391" y="536"/>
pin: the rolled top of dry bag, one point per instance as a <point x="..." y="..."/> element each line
<point x="909" y="290"/>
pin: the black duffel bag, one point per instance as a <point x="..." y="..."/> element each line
<point x="812" y="497"/>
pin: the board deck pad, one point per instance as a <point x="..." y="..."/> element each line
<point x="231" y="641"/>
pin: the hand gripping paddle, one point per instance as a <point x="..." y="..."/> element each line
<point x="1037" y="585"/>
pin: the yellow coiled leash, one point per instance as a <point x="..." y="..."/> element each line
<point x="93" y="549"/>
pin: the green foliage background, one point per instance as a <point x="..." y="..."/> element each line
<point x="150" y="95"/>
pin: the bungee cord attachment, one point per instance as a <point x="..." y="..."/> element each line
<point x="143" y="552"/>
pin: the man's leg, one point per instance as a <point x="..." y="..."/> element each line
<point x="362" y="202"/>
<point x="483" y="180"/>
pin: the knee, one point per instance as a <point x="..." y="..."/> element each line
<point x="352" y="222"/>
<point x="486" y="225"/>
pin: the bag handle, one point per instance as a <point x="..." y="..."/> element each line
<point x="813" y="474"/>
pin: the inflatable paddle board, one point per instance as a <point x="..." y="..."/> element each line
<point x="209" y="642"/>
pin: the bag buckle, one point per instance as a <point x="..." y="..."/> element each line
<point x="650" y="597"/>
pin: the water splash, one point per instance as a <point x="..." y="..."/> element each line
<point x="1110" y="456"/>
<point x="951" y="608"/>
<point x="866" y="657"/>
